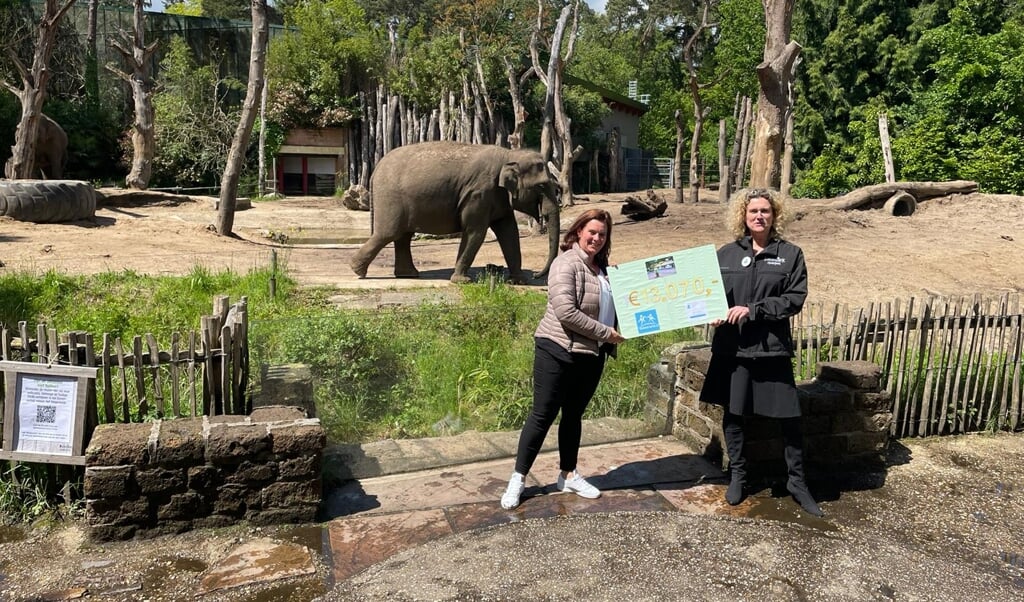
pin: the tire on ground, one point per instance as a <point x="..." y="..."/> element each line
<point x="47" y="201"/>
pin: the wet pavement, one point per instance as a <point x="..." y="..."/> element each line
<point x="420" y="520"/>
<point x="944" y="521"/>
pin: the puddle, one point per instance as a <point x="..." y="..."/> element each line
<point x="165" y="568"/>
<point x="312" y="536"/>
<point x="9" y="534"/>
<point x="299" y="590"/>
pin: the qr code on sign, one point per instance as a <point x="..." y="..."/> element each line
<point x="47" y="414"/>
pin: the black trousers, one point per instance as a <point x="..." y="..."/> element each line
<point x="563" y="384"/>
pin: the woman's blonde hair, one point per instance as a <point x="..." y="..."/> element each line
<point x="736" y="215"/>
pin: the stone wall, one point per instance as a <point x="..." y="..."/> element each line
<point x="170" y="476"/>
<point x="846" y="415"/>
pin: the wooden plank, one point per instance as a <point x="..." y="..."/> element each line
<point x="892" y="317"/>
<point x="175" y="350"/>
<point x="192" y="385"/>
<point x="209" y="381"/>
<point x="965" y="366"/>
<point x="921" y="339"/>
<point x="243" y="339"/>
<point x="900" y="384"/>
<point x="26" y="344"/>
<point x="154" y="371"/>
<point x="126" y="414"/>
<point x="936" y="331"/>
<point x="92" y="415"/>
<point x="990" y="383"/>
<point x="108" y="388"/>
<point x="954" y="369"/>
<point x="237" y="400"/>
<point x="42" y="350"/>
<point x="1009" y="360"/>
<point x="844" y="335"/>
<point x="139" y="378"/>
<point x="52" y="346"/>
<point x="942" y="397"/>
<point x="225" y="368"/>
<point x="1015" y="379"/>
<point x="221" y="306"/>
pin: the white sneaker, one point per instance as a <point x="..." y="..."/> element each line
<point x="514" y="491"/>
<point x="578" y="485"/>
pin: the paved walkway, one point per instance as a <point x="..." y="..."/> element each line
<point x="662" y="530"/>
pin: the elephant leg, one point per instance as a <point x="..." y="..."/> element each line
<point x="404" y="267"/>
<point x="507" y="232"/>
<point x="472" y="238"/>
<point x="366" y="253"/>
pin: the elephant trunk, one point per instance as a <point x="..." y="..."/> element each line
<point x="554" y="231"/>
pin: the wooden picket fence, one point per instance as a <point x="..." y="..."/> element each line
<point x="951" y="365"/>
<point x="203" y="372"/>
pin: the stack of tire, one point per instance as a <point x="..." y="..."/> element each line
<point x="47" y="201"/>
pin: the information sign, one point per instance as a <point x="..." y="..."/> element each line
<point x="44" y="412"/>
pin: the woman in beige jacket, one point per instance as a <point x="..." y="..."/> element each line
<point x="571" y="342"/>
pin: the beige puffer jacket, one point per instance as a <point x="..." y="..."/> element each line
<point x="574" y="297"/>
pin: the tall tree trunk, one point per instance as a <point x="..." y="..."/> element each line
<point x="136" y="54"/>
<point x="723" y="165"/>
<point x="775" y="99"/>
<point x="699" y="112"/>
<point x="92" y="76"/>
<point x="515" y="139"/>
<point x="787" y="158"/>
<point x="239" y="144"/>
<point x="32" y="93"/>
<point x="556" y="136"/>
<point x="677" y="165"/>
<point x="743" y="136"/>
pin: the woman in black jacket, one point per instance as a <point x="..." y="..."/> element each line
<point x="751" y="370"/>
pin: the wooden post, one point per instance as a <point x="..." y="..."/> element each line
<point x="883" y="135"/>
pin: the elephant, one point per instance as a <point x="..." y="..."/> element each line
<point x="51" y="149"/>
<point x="449" y="187"/>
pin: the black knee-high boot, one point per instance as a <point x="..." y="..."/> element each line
<point x="796" y="484"/>
<point x="732" y="427"/>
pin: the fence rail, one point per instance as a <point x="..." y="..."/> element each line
<point x="204" y="372"/>
<point x="951" y="365"/>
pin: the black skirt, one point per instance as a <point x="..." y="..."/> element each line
<point x="752" y="387"/>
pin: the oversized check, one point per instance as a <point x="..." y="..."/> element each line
<point x="668" y="291"/>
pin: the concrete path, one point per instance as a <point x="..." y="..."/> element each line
<point x="662" y="531"/>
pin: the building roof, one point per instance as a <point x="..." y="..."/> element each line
<point x="614" y="100"/>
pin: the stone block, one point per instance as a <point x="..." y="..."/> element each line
<point x="292" y="493"/>
<point x="856" y="374"/>
<point x="204" y="478"/>
<point x="154" y="481"/>
<point x="880" y="401"/>
<point x="277" y="413"/>
<point x="300" y="469"/>
<point x="283" y="516"/>
<point x="691" y="379"/>
<point x="824" y="397"/>
<point x="867" y="443"/>
<point x="251" y="474"/>
<point x="110" y="532"/>
<point x="697" y="423"/>
<point x="119" y="444"/>
<point x="695" y="355"/>
<point x="214" y="521"/>
<point x="169" y="527"/>
<point x="302" y="439"/>
<point x="180" y="442"/>
<point x="182" y="506"/>
<point x="230" y="444"/>
<point x="118" y="512"/>
<point x="109" y="482"/>
<point x="235" y="500"/>
<point x="832" y="447"/>
<point x="289" y="385"/>
<point x="661" y="377"/>
<point x="223" y="419"/>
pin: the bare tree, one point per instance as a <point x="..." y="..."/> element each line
<point x="136" y="55"/>
<point x="556" y="136"/>
<point x="700" y="112"/>
<point x="236" y="157"/>
<point x="32" y="92"/>
<point x="515" y="84"/>
<point x="775" y="99"/>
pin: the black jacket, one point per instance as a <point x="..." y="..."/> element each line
<point x="773" y="284"/>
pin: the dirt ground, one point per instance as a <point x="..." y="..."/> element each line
<point x="950" y="246"/>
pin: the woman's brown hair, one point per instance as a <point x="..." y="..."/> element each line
<point x="572" y="235"/>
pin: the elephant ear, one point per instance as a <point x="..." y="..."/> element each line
<point x="509" y="180"/>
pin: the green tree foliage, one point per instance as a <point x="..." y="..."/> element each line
<point x="194" y="126"/>
<point x="316" y="68"/>
<point x="969" y="122"/>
